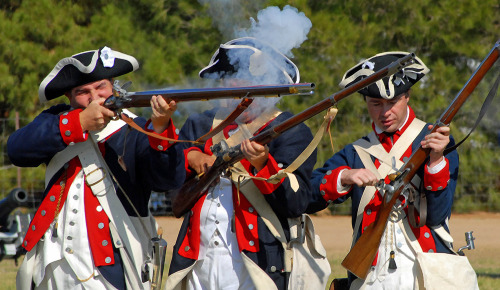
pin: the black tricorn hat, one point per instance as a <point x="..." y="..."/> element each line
<point x="388" y="87"/>
<point x="250" y="58"/>
<point x="84" y="68"/>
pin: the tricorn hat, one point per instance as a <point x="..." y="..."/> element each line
<point x="388" y="87"/>
<point x="250" y="58"/>
<point x="84" y="68"/>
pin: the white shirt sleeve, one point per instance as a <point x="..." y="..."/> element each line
<point x="340" y="187"/>
<point x="438" y="167"/>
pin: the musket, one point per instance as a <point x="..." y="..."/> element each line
<point x="194" y="188"/>
<point x="360" y="258"/>
<point x="122" y="99"/>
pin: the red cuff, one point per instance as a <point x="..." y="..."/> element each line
<point x="70" y="127"/>
<point x="159" y="144"/>
<point x="270" y="168"/>
<point x="328" y="185"/>
<point x="437" y="181"/>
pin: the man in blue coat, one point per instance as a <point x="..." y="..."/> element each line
<point x="230" y="239"/>
<point x="93" y="227"/>
<point x="353" y="172"/>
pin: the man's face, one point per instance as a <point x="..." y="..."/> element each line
<point x="388" y="115"/>
<point x="81" y="96"/>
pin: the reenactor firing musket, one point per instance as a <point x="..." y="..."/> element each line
<point x="193" y="189"/>
<point x="359" y="260"/>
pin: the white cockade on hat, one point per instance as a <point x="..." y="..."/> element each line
<point x="107" y="57"/>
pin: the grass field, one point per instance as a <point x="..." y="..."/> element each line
<point x="485" y="259"/>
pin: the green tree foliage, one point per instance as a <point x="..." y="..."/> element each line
<point x="173" y="40"/>
<point x="451" y="37"/>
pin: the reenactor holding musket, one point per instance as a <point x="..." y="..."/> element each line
<point x="401" y="179"/>
<point x="93" y="227"/>
<point x="237" y="234"/>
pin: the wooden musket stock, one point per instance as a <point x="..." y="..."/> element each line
<point x="194" y="188"/>
<point x="360" y="258"/>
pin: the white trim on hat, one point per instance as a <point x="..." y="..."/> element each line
<point x="61" y="64"/>
<point x="258" y="56"/>
<point x="87" y="69"/>
<point x="132" y="60"/>
<point x="410" y="71"/>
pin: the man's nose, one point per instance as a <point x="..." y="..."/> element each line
<point x="386" y="109"/>
<point x="94" y="95"/>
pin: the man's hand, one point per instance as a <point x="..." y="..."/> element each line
<point x="95" y="117"/>
<point x="437" y="142"/>
<point x="162" y="112"/>
<point x="255" y="153"/>
<point x="200" y="161"/>
<point x="359" y="177"/>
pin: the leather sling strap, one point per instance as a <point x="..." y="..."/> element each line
<point x="134" y="125"/>
<point x="229" y="119"/>
<point x="482" y="112"/>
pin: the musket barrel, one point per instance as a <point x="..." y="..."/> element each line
<point x="471" y="84"/>
<point x="142" y="99"/>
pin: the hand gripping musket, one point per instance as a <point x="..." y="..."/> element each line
<point x="360" y="258"/>
<point x="122" y="99"/>
<point x="194" y="188"/>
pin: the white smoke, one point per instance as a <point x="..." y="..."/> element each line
<point x="283" y="29"/>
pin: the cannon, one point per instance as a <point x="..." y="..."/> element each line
<point x="13" y="227"/>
